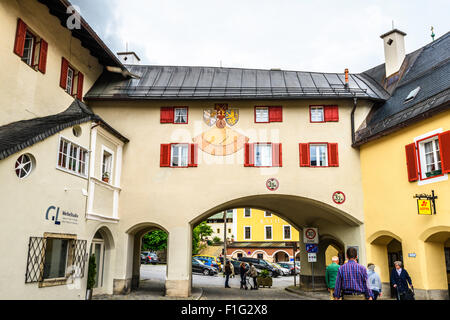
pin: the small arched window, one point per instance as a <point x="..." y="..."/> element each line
<point x="24" y="165"/>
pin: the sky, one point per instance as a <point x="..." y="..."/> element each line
<point x="303" y="35"/>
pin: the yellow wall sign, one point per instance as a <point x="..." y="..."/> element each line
<point x="424" y="206"/>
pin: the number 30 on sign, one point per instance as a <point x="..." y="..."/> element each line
<point x="339" y="197"/>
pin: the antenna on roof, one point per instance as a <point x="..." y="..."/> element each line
<point x="432" y="33"/>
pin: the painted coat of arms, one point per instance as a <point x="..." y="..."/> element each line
<point x="221" y="139"/>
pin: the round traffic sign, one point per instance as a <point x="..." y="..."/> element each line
<point x="310" y="234"/>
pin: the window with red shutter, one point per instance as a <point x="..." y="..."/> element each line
<point x="444" y="147"/>
<point x="64" y="71"/>
<point x="331" y="113"/>
<point x="411" y="162"/>
<point x="19" y="43"/>
<point x="275" y="114"/>
<point x="193" y="155"/>
<point x="249" y="155"/>
<point x="304" y="154"/>
<point x="165" y="155"/>
<point x="277" y="160"/>
<point x="167" y="115"/>
<point x="42" y="67"/>
<point x="333" y="156"/>
<point x="80" y="86"/>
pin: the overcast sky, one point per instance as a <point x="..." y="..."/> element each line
<point x="325" y="35"/>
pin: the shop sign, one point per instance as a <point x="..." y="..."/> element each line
<point x="57" y="215"/>
<point x="426" y="204"/>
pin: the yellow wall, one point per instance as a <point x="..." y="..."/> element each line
<point x="391" y="211"/>
<point x="27" y="93"/>
<point x="258" y="221"/>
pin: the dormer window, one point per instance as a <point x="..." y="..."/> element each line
<point x="412" y="95"/>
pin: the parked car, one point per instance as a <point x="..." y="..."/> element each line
<point x="262" y="264"/>
<point x="149" y="257"/>
<point x="200" y="267"/>
<point x="237" y="266"/>
<point x="290" y="267"/>
<point x="208" y="262"/>
<point x="216" y="261"/>
<point x="284" y="271"/>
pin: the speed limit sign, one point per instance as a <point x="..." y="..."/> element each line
<point x="310" y="235"/>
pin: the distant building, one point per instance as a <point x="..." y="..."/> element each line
<point x="216" y="222"/>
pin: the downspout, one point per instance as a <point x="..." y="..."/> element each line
<point x="352" y="119"/>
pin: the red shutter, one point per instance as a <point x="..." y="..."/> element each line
<point x="411" y="162"/>
<point x="444" y="150"/>
<point x="249" y="155"/>
<point x="333" y="156"/>
<point x="64" y="70"/>
<point x="193" y="155"/>
<point x="21" y="32"/>
<point x="80" y="86"/>
<point x="304" y="154"/>
<point x="165" y="155"/>
<point x="167" y="115"/>
<point x="277" y="160"/>
<point x="331" y="113"/>
<point x="42" y="67"/>
<point x="275" y="114"/>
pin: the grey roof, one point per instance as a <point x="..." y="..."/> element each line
<point x="181" y="82"/>
<point x="19" y="135"/>
<point x="427" y="68"/>
<point x="219" y="216"/>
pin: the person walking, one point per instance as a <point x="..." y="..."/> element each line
<point x="253" y="274"/>
<point x="331" y="274"/>
<point x="351" y="280"/>
<point x="401" y="281"/>
<point x="227" y="271"/>
<point x="374" y="281"/>
<point x="243" y="272"/>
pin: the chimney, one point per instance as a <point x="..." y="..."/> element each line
<point x="394" y="50"/>
<point x="129" y="57"/>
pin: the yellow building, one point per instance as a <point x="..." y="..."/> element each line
<point x="262" y="234"/>
<point x="405" y="153"/>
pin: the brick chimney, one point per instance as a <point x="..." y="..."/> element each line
<point x="394" y="50"/>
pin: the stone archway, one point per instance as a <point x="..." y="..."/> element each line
<point x="280" y="256"/>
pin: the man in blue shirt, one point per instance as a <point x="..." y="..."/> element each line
<point x="351" y="280"/>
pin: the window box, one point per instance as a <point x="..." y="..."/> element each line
<point x="433" y="173"/>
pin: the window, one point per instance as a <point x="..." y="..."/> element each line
<point x="218" y="231"/>
<point x="24" y="165"/>
<point x="56" y="254"/>
<point x="318" y="155"/>
<point x="239" y="255"/>
<point x="247" y="233"/>
<point x="72" y="157"/>
<point x="432" y="158"/>
<point x="247" y="212"/>
<point x="268" y="114"/>
<point x="412" y="95"/>
<point x="30" y="48"/>
<point x="260" y="256"/>
<point x="268" y="232"/>
<point x="70" y="77"/>
<point x="267" y="214"/>
<point x="229" y="230"/>
<point x="107" y="160"/>
<point x="287" y="232"/>
<point x="178" y="115"/>
<point x="263" y="155"/>
<point x="317" y="114"/>
<point x="323" y="113"/>
<point x="179" y="155"/>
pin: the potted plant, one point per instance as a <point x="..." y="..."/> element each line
<point x="105" y="177"/>
<point x="264" y="279"/>
<point x="92" y="271"/>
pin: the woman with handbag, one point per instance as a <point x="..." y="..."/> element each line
<point x="401" y="281"/>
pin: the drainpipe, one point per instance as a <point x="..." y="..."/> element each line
<point x="352" y="119"/>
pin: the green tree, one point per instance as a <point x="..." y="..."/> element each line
<point x="198" y="233"/>
<point x="154" y="241"/>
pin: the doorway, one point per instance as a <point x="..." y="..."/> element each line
<point x="98" y="250"/>
<point x="395" y="253"/>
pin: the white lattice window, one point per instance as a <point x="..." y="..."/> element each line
<point x="72" y="157"/>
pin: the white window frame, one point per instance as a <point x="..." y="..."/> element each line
<point x="111" y="168"/>
<point x="317" y="145"/>
<point x="186" y="145"/>
<point x="244" y="237"/>
<point x="265" y="232"/>
<point x="316" y="108"/>
<point x="422" y="155"/>
<point x="259" y="114"/>
<point x="266" y="159"/>
<point x="175" y="115"/>
<point x="290" y="232"/>
<point x="30" y="58"/>
<point x="70" y="80"/>
<point x="66" y="167"/>
<point x="249" y="216"/>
